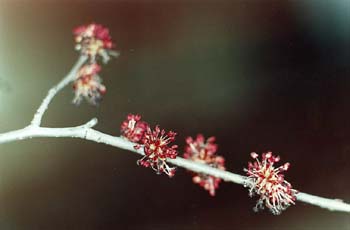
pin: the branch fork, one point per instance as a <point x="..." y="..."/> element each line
<point x="86" y="132"/>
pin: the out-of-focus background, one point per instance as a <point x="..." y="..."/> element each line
<point x="271" y="75"/>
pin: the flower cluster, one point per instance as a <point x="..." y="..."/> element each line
<point x="133" y="128"/>
<point x="155" y="144"/>
<point x="157" y="150"/>
<point x="203" y="151"/>
<point x="268" y="182"/>
<point x="88" y="85"/>
<point x="93" y="40"/>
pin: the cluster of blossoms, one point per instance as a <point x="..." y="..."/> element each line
<point x="133" y="128"/>
<point x="155" y="144"/>
<point x="202" y="151"/>
<point x="92" y="40"/>
<point x="268" y="182"/>
<point x="88" y="84"/>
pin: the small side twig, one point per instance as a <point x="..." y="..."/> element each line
<point x="54" y="90"/>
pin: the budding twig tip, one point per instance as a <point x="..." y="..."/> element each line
<point x="91" y="123"/>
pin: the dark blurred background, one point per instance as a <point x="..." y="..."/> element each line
<point x="259" y="75"/>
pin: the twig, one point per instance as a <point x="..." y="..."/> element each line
<point x="86" y="132"/>
<point x="54" y="90"/>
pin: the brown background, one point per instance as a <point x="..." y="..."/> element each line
<point x="259" y="76"/>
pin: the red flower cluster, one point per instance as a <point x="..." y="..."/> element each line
<point x="88" y="84"/>
<point x="133" y="128"/>
<point x="268" y="182"/>
<point x="202" y="151"/>
<point x="155" y="144"/>
<point x="93" y="40"/>
<point x="157" y="150"/>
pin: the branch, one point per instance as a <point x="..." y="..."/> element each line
<point x="86" y="132"/>
<point x="54" y="90"/>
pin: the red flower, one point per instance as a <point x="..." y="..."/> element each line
<point x="204" y="152"/>
<point x="198" y="147"/>
<point x="268" y="182"/>
<point x="133" y="128"/>
<point x="93" y="40"/>
<point x="156" y="150"/>
<point x="88" y="85"/>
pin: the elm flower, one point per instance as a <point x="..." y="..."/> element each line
<point x="267" y="181"/>
<point x="133" y="128"/>
<point x="88" y="85"/>
<point x="93" y="40"/>
<point x="199" y="147"/>
<point x="202" y="151"/>
<point x="157" y="151"/>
